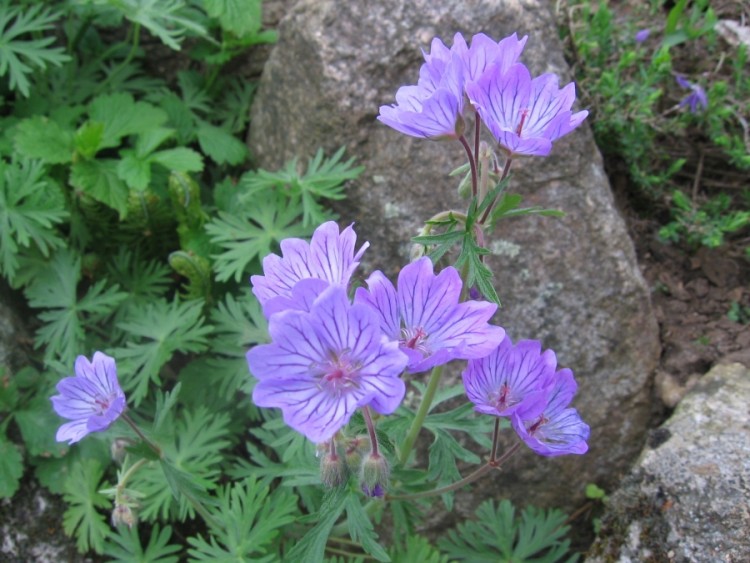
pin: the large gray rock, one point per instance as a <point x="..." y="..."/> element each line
<point x="688" y="498"/>
<point x="572" y="282"/>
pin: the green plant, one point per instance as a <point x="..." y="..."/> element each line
<point x="705" y="225"/>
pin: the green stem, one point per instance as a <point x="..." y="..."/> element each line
<point x="371" y="430"/>
<point x="486" y="468"/>
<point x="142" y="436"/>
<point x="487" y="211"/>
<point x="424" y="408"/>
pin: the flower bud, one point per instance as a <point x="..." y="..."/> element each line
<point x="118" y="449"/>
<point x="333" y="470"/>
<point x="374" y="475"/>
<point x="123" y="514"/>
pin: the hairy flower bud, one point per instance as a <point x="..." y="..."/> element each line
<point x="123" y="514"/>
<point x="118" y="449"/>
<point x="374" y="475"/>
<point x="333" y="470"/>
<point x="355" y="449"/>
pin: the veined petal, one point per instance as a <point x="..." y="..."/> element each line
<point x="565" y="433"/>
<point x="382" y="297"/>
<point x="424" y="298"/>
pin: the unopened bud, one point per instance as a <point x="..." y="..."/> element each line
<point x="118" y="449"/>
<point x="123" y="514"/>
<point x="333" y="470"/>
<point x="374" y="475"/>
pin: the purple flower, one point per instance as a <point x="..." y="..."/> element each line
<point x="483" y="53"/>
<point x="432" y="109"/>
<point x="642" y="35"/>
<point x="697" y="96"/>
<point x="512" y="379"/>
<point x="426" y="319"/>
<point x="92" y="400"/>
<point x="323" y="365"/>
<point x="557" y="430"/>
<point x="329" y="257"/>
<point x="525" y="115"/>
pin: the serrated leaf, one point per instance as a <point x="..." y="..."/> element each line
<point x="311" y="547"/>
<point x="157" y="331"/>
<point x="37" y="422"/>
<point x="121" y="116"/>
<point x="133" y="170"/>
<point x="246" y="237"/>
<point x="179" y="159"/>
<point x="128" y="548"/>
<point x="88" y="138"/>
<point x="23" y="46"/>
<point x="30" y="207"/>
<point x="169" y="20"/>
<point x="241" y="17"/>
<point x="361" y="530"/>
<point x="42" y="138"/>
<point x="100" y="180"/>
<point x="11" y="467"/>
<point x="82" y="517"/>
<point x="220" y="145"/>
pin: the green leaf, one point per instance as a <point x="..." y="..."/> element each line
<point x="157" y="331"/>
<point x="133" y="170"/>
<point x="88" y="138"/>
<point x="312" y="546"/>
<point x="128" y="548"/>
<point x="477" y="271"/>
<point x="246" y="237"/>
<point x="23" y="46"/>
<point x="241" y="17"/>
<point x="82" y="517"/>
<point x="169" y="20"/>
<point x="180" y="159"/>
<point x="37" y="422"/>
<point x="100" y="180"/>
<point x="220" y="145"/>
<point x="11" y="467"/>
<point x="30" y="207"/>
<point x="361" y="530"/>
<point x="121" y="116"/>
<point x="43" y="138"/>
<point x="56" y="291"/>
<point x="256" y="516"/>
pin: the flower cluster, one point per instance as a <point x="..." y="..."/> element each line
<point x="522" y="383"/>
<point x="524" y="114"/>
<point x="329" y="357"/>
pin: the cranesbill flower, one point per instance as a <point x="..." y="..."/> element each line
<point x="432" y="109"/>
<point x="525" y="116"/>
<point x="697" y="99"/>
<point x="642" y="35"/>
<point x="425" y="317"/>
<point x="512" y="379"/>
<point x="92" y="400"/>
<point x="322" y="365"/>
<point x="329" y="256"/>
<point x="558" y="429"/>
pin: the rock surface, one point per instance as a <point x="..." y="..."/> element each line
<point x="688" y="498"/>
<point x="572" y="282"/>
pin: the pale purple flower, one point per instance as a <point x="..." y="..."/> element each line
<point x="558" y="429"/>
<point x="483" y="53"/>
<point x="92" y="400"/>
<point x="525" y="116"/>
<point x="432" y="109"/>
<point x="322" y="365"/>
<point x="642" y="35"/>
<point x="329" y="256"/>
<point x="512" y="379"/>
<point x="697" y="99"/>
<point x="425" y="317"/>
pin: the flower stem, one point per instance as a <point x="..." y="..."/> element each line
<point x="470" y="478"/>
<point x="424" y="408"/>
<point x="495" y="436"/>
<point x="371" y="431"/>
<point x="472" y="165"/>
<point x="487" y="211"/>
<point x="477" y="131"/>
<point x="156" y="449"/>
